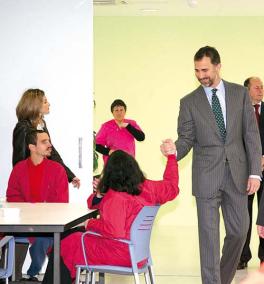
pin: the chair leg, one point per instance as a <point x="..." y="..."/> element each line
<point x="87" y="277"/>
<point x="136" y="276"/>
<point x="147" y="278"/>
<point x="101" y="278"/>
<point x="5" y="260"/>
<point x="93" y="277"/>
<point x="151" y="274"/>
<point x="78" y="272"/>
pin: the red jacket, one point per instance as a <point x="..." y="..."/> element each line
<point x="117" y="212"/>
<point x="54" y="187"/>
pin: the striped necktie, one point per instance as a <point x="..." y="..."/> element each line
<point x="217" y="110"/>
<point x="256" y="106"/>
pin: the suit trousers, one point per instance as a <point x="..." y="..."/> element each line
<point x="236" y="220"/>
<point x="246" y="252"/>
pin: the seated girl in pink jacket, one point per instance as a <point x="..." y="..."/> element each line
<point x="122" y="192"/>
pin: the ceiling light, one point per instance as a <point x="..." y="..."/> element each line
<point x="149" y="10"/>
<point x="192" y="3"/>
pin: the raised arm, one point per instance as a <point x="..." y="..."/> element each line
<point x="159" y="192"/>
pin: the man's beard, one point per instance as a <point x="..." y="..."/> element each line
<point x="207" y="82"/>
<point x="48" y="152"/>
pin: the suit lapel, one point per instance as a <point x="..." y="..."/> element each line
<point x="203" y="105"/>
<point x="230" y="100"/>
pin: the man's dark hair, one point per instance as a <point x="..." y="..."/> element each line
<point x="118" y="102"/>
<point x="121" y="173"/>
<point x="31" y="136"/>
<point x="210" y="52"/>
<point x="247" y="82"/>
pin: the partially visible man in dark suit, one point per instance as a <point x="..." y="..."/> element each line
<point x="260" y="223"/>
<point x="217" y="121"/>
<point x="255" y="88"/>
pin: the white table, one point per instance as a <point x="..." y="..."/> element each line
<point x="46" y="218"/>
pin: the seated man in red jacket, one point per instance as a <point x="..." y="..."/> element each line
<point x="38" y="179"/>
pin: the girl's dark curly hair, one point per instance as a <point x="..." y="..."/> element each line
<point x="121" y="173"/>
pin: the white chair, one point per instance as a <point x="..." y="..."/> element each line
<point x="8" y="242"/>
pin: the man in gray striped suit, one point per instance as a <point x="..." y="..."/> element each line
<point x="217" y="120"/>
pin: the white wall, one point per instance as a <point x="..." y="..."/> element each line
<point x="148" y="62"/>
<point x="48" y="45"/>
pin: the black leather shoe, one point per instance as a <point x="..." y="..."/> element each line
<point x="241" y="265"/>
<point x="30" y="279"/>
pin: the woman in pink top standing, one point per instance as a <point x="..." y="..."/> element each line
<point x="118" y="133"/>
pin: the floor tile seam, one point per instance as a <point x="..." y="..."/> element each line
<point x="176" y="275"/>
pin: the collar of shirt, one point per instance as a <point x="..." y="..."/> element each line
<point x="220" y="94"/>
<point x="32" y="165"/>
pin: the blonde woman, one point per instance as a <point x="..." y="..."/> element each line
<point x="30" y="111"/>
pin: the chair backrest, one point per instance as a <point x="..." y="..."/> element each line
<point x="140" y="232"/>
<point x="10" y="241"/>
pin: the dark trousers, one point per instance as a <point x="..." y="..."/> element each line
<point x="246" y="253"/>
<point x="65" y="273"/>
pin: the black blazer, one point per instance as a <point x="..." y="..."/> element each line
<point x="21" y="151"/>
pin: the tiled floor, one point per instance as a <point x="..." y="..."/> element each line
<point x="175" y="254"/>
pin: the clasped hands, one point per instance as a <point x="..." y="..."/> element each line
<point x="168" y="147"/>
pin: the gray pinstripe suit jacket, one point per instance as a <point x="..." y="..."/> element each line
<point x="197" y="129"/>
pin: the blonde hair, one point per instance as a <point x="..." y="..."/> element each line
<point x="29" y="106"/>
